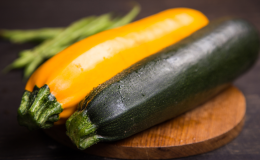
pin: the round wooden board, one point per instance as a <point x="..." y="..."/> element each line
<point x="203" y="129"/>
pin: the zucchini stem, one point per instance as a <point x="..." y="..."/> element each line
<point x="38" y="109"/>
<point x="82" y="132"/>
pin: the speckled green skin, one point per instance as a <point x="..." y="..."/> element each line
<point x="167" y="83"/>
<point x="38" y="109"/>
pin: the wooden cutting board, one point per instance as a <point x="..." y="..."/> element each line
<point x="203" y="129"/>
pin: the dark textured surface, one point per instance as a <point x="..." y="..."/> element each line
<point x="18" y="143"/>
<point x="168" y="83"/>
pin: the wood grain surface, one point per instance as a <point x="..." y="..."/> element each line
<point x="203" y="129"/>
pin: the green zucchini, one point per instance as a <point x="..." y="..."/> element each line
<point x="165" y="84"/>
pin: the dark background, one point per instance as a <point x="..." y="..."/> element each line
<point x="18" y="143"/>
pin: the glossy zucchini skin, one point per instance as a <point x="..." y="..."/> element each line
<point x="166" y="84"/>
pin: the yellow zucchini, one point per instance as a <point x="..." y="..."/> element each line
<point x="55" y="88"/>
